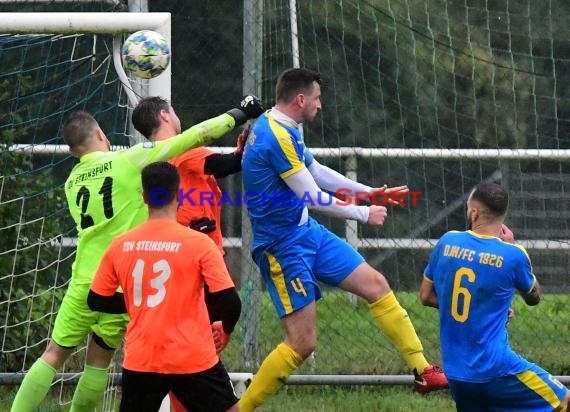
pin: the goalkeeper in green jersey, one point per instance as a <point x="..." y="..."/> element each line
<point x="104" y="195"/>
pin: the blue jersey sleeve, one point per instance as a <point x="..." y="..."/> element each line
<point x="429" y="272"/>
<point x="523" y="279"/>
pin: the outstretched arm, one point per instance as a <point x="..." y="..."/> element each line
<point x="305" y="187"/>
<point x="222" y="165"/>
<point x="331" y="180"/>
<point x="201" y="134"/>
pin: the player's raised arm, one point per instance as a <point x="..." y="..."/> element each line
<point x="201" y="134"/>
<point x="331" y="180"/>
<point x="221" y="165"/>
<point x="305" y="187"/>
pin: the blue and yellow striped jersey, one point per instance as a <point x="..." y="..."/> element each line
<point x="475" y="278"/>
<point x="274" y="151"/>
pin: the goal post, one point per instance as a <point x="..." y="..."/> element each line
<point x="54" y="64"/>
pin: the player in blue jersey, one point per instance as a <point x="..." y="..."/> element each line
<point x="472" y="278"/>
<point x="294" y="252"/>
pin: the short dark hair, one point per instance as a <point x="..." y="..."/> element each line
<point x="160" y="181"/>
<point x="294" y="81"/>
<point x="78" y="127"/>
<point x="493" y="196"/>
<point x="146" y="115"/>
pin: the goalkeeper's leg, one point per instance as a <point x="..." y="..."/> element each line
<point x="70" y="328"/>
<point x="37" y="381"/>
<point x="300" y="341"/>
<point x="107" y="335"/>
<point x="93" y="381"/>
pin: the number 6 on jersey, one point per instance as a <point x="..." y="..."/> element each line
<point x="460" y="290"/>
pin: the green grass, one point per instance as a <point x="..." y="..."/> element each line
<point x="357" y="399"/>
<point x="350" y="343"/>
<point x="322" y="399"/>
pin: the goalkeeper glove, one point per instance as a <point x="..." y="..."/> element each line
<point x="221" y="338"/>
<point x="249" y="108"/>
<point x="204" y="225"/>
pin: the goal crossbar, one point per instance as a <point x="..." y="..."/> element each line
<point x="75" y="23"/>
<point x="98" y="23"/>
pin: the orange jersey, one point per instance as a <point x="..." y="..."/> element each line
<point x="162" y="267"/>
<point x="205" y="198"/>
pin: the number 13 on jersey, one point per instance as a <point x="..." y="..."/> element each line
<point x="460" y="314"/>
<point x="162" y="271"/>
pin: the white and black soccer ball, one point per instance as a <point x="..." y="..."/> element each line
<point x="146" y="54"/>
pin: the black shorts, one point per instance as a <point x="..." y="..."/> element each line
<point x="208" y="391"/>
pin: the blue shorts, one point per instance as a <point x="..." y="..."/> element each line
<point x="532" y="390"/>
<point x="292" y="268"/>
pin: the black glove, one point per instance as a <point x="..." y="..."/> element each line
<point x="203" y="225"/>
<point x="249" y="108"/>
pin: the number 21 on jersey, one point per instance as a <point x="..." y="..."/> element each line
<point x="82" y="200"/>
<point x="460" y="314"/>
<point x="162" y="271"/>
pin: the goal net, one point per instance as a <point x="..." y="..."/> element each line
<point x="438" y="95"/>
<point x="45" y="77"/>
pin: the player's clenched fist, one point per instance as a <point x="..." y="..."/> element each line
<point x="377" y="215"/>
<point x="250" y="107"/>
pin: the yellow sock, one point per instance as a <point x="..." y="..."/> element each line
<point x="393" y="320"/>
<point x="270" y="377"/>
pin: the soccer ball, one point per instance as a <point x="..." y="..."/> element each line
<point x="146" y="54"/>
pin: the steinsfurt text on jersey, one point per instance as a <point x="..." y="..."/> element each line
<point x="92" y="173"/>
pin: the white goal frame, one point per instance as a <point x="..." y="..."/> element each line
<point x="98" y="23"/>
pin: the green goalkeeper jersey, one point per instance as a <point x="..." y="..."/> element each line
<point x="104" y="191"/>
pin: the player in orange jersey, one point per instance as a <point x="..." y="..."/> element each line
<point x="201" y="203"/>
<point x="162" y="267"/>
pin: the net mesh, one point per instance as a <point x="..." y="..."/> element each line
<point x="444" y="75"/>
<point x="43" y="79"/>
